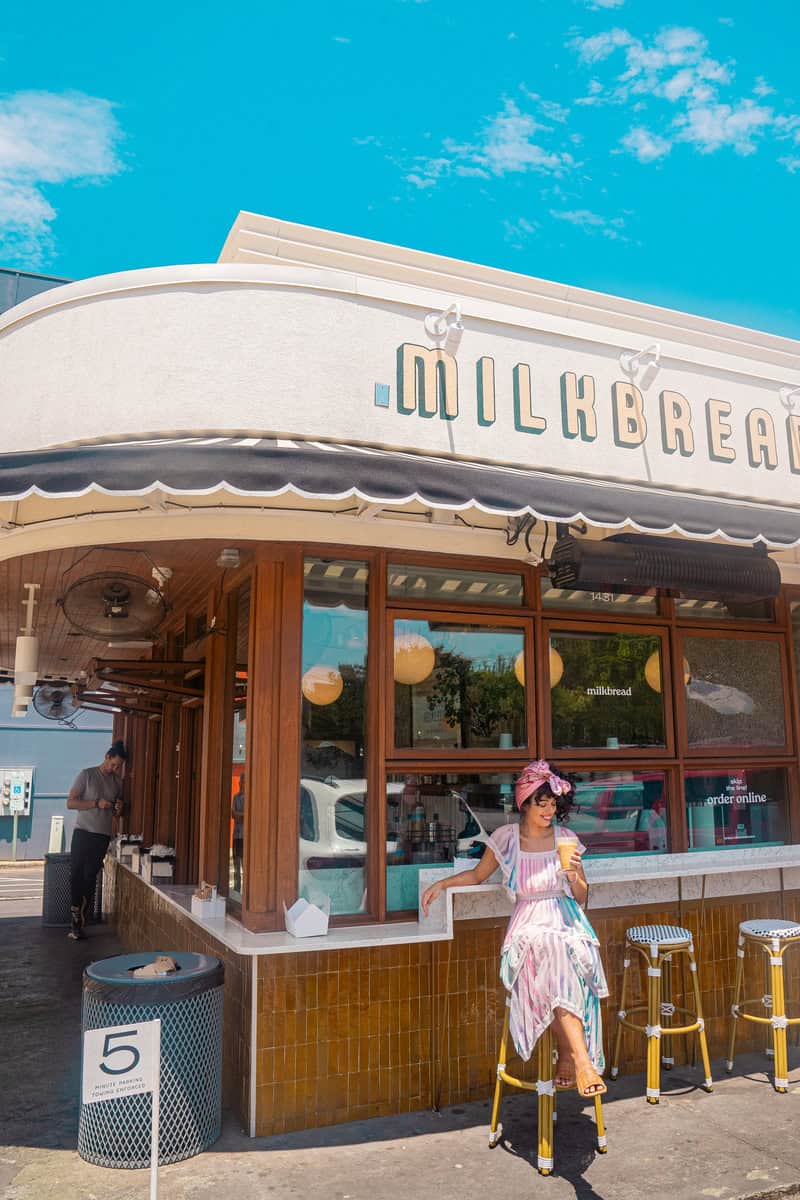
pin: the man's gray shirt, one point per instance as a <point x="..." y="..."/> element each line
<point x="94" y="784"/>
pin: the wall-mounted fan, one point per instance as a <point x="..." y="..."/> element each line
<point x="114" y="606"/>
<point x="55" y="701"/>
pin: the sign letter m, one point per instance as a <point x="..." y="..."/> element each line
<point x="427" y="380"/>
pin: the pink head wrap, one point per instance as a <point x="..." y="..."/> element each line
<point x="534" y="776"/>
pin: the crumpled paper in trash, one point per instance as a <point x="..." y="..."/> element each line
<point x="162" y="965"/>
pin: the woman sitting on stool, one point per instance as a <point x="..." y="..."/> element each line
<point x="550" y="962"/>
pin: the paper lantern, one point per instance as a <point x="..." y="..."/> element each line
<point x="322" y="685"/>
<point x="652" y="671"/>
<point x="414" y="658"/>
<point x="556" y="667"/>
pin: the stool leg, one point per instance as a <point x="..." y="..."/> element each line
<point x="602" y="1144"/>
<point x="781" y="1077"/>
<point x="653" y="1028"/>
<point x="545" y="1089"/>
<point x="614" y="1071"/>
<point x="737" y="995"/>
<point x="667" y="1009"/>
<point x="494" y="1130"/>
<point x="769" y="1012"/>
<point x="701" y="1033"/>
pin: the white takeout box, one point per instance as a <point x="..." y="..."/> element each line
<point x="307" y="920"/>
<point x="212" y="909"/>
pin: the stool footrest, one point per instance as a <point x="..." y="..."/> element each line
<point x="517" y="1083"/>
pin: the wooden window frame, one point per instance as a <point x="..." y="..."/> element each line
<point x="602" y="753"/>
<point x="402" y="754"/>
<point x="745" y="751"/>
<point x="274" y="662"/>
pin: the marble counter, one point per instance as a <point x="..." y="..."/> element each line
<point x="634" y="880"/>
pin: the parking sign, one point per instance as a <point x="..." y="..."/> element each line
<point x="122" y="1060"/>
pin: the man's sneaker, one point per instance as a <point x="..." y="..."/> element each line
<point x="75" y="925"/>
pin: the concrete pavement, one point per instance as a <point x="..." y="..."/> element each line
<point x="742" y="1141"/>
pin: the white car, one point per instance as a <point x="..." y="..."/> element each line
<point x="333" y="848"/>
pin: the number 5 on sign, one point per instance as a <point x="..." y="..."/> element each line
<point x="125" y="1060"/>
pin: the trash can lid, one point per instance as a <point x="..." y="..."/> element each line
<point x="191" y="967"/>
<point x="57" y="858"/>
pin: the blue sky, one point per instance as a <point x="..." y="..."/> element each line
<point x="651" y="151"/>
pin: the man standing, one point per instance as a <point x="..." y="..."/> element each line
<point x="96" y="795"/>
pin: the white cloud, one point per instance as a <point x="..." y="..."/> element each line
<point x="592" y="222"/>
<point x="714" y="125"/>
<point x="646" y="146"/>
<point x="48" y="139"/>
<point x="520" y="231"/>
<point x="674" y="66"/>
<point x="509" y="143"/>
<point x="791" y="163"/>
<point x="595" y="4"/>
<point x="343" y="41"/>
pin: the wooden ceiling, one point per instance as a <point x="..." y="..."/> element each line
<point x="64" y="651"/>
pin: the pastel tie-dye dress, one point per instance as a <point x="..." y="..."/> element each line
<point x="550" y="957"/>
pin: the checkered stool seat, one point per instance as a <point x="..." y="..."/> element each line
<point x="658" y="935"/>
<point x="767" y="928"/>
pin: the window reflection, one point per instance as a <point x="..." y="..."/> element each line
<point x="620" y="812"/>
<point x="641" y="603"/>
<point x="438" y="583"/>
<point x="606" y="690"/>
<point x="434" y="820"/>
<point x="742" y="807"/>
<point x="333" y="789"/>
<point x="239" y="746"/>
<point x="458" y="687"/>
<point x="734" y="692"/>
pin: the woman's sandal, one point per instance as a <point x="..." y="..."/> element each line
<point x="589" y="1083"/>
<point x="564" y="1075"/>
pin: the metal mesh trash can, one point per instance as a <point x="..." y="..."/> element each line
<point x="116" y="1133"/>
<point x="56" y="894"/>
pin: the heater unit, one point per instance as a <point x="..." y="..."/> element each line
<point x="631" y="562"/>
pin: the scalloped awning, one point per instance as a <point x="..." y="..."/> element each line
<point x="269" y="468"/>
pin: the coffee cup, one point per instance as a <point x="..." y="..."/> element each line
<point x="566" y="849"/>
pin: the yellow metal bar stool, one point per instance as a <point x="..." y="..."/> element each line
<point x="658" y="945"/>
<point x="774" y="937"/>
<point x="545" y="1089"/>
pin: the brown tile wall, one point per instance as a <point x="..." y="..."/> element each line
<point x="146" y="921"/>
<point x="344" y="1035"/>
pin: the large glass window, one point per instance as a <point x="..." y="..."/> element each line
<point x="620" y="812"/>
<point x="442" y="583"/>
<point x="457" y="686"/>
<point x="745" y="806"/>
<point x="605" y="690"/>
<point x="333" y="785"/>
<point x="434" y="820"/>
<point x="239" y="745"/>
<point x="734" y="692"/>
